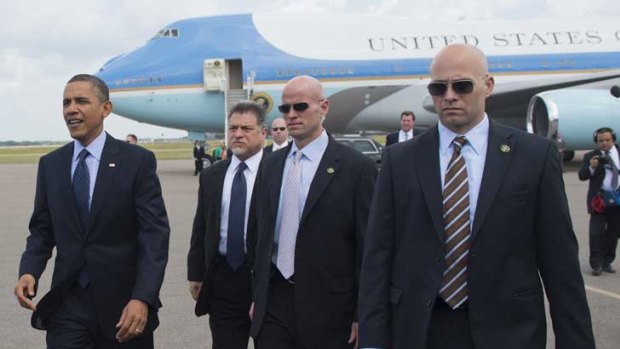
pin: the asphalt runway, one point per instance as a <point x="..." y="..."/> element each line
<point x="179" y="327"/>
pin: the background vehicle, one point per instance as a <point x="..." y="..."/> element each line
<point x="365" y="145"/>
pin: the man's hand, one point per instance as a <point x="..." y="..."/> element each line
<point x="194" y="289"/>
<point x="24" y="291"/>
<point x="354" y="337"/>
<point x="133" y="320"/>
<point x="594" y="162"/>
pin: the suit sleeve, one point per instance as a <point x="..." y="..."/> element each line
<point x="153" y="234"/>
<point x="373" y="306"/>
<point x="196" y="255"/>
<point x="41" y="241"/>
<point x="559" y="262"/>
<point x="363" y="199"/>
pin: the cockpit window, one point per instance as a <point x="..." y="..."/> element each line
<point x="167" y="33"/>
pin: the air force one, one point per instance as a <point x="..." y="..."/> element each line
<point x="552" y="77"/>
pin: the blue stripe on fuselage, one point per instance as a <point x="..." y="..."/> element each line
<point x="179" y="61"/>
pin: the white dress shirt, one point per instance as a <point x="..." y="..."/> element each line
<point x="405" y="136"/>
<point x="250" y="177"/>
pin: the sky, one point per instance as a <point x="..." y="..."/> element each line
<point x="43" y="43"/>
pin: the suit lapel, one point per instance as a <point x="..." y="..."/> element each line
<point x="330" y="160"/>
<point x="274" y="177"/>
<point x="429" y="174"/>
<point x="66" y="187"/>
<point x="499" y="152"/>
<point x="108" y="167"/>
<point x="218" y="177"/>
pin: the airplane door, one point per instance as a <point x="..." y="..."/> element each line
<point x="214" y="75"/>
<point x="234" y="72"/>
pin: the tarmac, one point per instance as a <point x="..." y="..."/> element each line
<point x="180" y="328"/>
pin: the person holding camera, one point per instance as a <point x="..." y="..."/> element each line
<point x="600" y="166"/>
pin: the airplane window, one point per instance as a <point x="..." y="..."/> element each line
<point x="174" y="33"/>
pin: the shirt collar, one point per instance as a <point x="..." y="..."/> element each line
<point x="315" y="149"/>
<point x="95" y="148"/>
<point x="277" y="146"/>
<point x="252" y="162"/>
<point x="476" y="137"/>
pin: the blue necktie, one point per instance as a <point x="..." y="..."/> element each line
<point x="235" y="254"/>
<point x="81" y="188"/>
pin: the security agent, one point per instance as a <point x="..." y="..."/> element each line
<point x="600" y="166"/>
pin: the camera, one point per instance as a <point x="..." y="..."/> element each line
<point x="603" y="159"/>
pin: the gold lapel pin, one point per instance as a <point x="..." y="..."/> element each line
<point x="330" y="170"/>
<point x="112" y="164"/>
<point x="504" y="148"/>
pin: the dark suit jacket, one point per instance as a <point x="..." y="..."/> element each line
<point x="521" y="228"/>
<point x="329" y="241"/>
<point x="199" y="153"/>
<point x="596" y="179"/>
<point x="125" y="248"/>
<point x="205" y="238"/>
<point x="392" y="138"/>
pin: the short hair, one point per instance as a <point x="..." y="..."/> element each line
<point x="407" y="112"/>
<point x="249" y="107"/>
<point x="133" y="136"/>
<point x="101" y="89"/>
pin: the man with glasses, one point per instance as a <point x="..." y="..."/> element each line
<point x="279" y="133"/>
<point x="463" y="235"/>
<point x="222" y="244"/>
<point x="314" y="200"/>
<point x="407" y="129"/>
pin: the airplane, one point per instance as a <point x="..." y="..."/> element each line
<point x="553" y="77"/>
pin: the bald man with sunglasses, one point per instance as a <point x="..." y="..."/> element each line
<point x="279" y="133"/>
<point x="314" y="199"/>
<point x="462" y="236"/>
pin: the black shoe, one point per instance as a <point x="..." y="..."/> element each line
<point x="596" y="271"/>
<point x="608" y="269"/>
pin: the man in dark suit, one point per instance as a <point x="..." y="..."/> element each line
<point x="407" y="129"/>
<point x="314" y="201"/>
<point x="599" y="166"/>
<point x="98" y="201"/>
<point x="463" y="235"/>
<point x="279" y="133"/>
<point x="221" y="252"/>
<point x="199" y="154"/>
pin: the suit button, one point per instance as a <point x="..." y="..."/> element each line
<point x="429" y="303"/>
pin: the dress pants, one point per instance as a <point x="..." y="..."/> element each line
<point x="74" y="326"/>
<point x="279" y="328"/>
<point x="197" y="166"/>
<point x="604" y="232"/>
<point x="230" y="297"/>
<point x="449" y="328"/>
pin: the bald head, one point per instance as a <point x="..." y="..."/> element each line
<point x="458" y="55"/>
<point x="462" y="107"/>
<point x="304" y="99"/>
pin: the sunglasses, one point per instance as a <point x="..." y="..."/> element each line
<point x="299" y="107"/>
<point x="461" y="87"/>
<point x="276" y="129"/>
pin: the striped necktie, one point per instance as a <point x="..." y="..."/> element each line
<point x="235" y="253"/>
<point x="614" y="171"/>
<point x="289" y="223"/>
<point x="457" y="227"/>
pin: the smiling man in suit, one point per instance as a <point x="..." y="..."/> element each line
<point x="463" y="235"/>
<point x="98" y="201"/>
<point x="222" y="243"/>
<point x="314" y="200"/>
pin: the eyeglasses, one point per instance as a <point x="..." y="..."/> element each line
<point x="286" y="108"/>
<point x="276" y="129"/>
<point x="439" y="88"/>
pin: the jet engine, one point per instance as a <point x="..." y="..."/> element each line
<point x="573" y="114"/>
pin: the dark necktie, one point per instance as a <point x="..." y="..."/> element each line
<point x="457" y="228"/>
<point x="81" y="188"/>
<point x="614" y="171"/>
<point x="235" y="254"/>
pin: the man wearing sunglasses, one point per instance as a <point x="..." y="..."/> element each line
<point x="314" y="201"/>
<point x="279" y="133"/>
<point x="466" y="225"/>
<point x="407" y="130"/>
